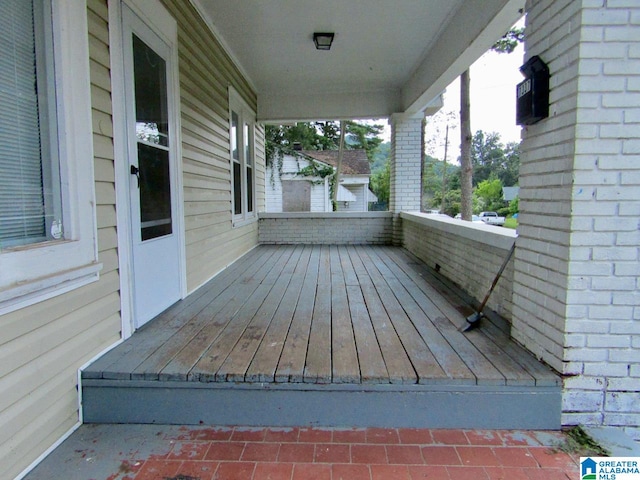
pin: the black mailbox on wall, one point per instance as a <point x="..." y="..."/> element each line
<point x="532" y="103"/>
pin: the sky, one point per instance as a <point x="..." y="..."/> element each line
<point x="493" y="103"/>
<point x="494" y="77"/>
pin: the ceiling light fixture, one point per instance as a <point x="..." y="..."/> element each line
<point x="323" y="40"/>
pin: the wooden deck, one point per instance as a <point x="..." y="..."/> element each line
<point x="320" y="315"/>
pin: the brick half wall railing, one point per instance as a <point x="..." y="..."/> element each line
<point x="468" y="254"/>
<point x="332" y="228"/>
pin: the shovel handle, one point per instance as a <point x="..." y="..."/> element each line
<point x="497" y="277"/>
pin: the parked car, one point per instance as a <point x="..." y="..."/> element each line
<point x="474" y="218"/>
<point x="491" y="218"/>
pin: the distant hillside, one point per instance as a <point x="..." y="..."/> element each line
<point x="380" y="157"/>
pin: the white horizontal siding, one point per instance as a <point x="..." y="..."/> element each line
<point x="360" y="205"/>
<point x="42" y="346"/>
<point x="205" y="73"/>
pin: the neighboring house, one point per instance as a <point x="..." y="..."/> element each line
<point x="132" y="171"/>
<point x="287" y="190"/>
<point x="353" y="191"/>
<point x="292" y="187"/>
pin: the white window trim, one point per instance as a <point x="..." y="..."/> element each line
<point x="246" y="114"/>
<point x="36" y="272"/>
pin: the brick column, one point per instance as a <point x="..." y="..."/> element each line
<point x="576" y="279"/>
<point x="407" y="144"/>
<point x="406" y="163"/>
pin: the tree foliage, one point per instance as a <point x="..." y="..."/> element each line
<point x="489" y="192"/>
<point x="279" y="139"/>
<point x="380" y="182"/>
<point x="364" y="136"/>
<point x="509" y="41"/>
<point x="491" y="159"/>
<point x="433" y="177"/>
<point x="495" y="165"/>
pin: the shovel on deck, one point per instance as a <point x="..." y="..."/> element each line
<point x="473" y="320"/>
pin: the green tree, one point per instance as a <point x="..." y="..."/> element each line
<point x="489" y="192"/>
<point x="487" y="153"/>
<point x="380" y="157"/>
<point x="380" y="182"/>
<point x="511" y="166"/>
<point x="514" y="206"/>
<point x="491" y="159"/>
<point x="506" y="44"/>
<point x="280" y="139"/>
<point x="364" y="136"/>
<point x="509" y="41"/>
<point x="432" y="185"/>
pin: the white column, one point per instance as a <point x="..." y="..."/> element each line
<point x="576" y="278"/>
<point x="407" y="141"/>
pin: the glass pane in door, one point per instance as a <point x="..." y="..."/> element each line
<point x="152" y="134"/>
<point x="155" y="192"/>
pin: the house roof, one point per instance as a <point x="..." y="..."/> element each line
<point x="354" y="162"/>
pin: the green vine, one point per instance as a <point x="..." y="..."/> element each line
<point x="315" y="170"/>
<point x="275" y="160"/>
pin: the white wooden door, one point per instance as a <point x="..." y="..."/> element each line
<point x="151" y="140"/>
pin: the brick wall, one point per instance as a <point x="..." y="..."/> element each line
<point x="577" y="272"/>
<point x="371" y="228"/>
<point x="466" y="253"/>
<point x="546" y="171"/>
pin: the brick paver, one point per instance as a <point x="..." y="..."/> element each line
<point x="356" y="454"/>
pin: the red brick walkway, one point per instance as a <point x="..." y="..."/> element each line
<point x="356" y="454"/>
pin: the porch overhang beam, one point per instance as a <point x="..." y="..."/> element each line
<point x="277" y="108"/>
<point x="475" y="28"/>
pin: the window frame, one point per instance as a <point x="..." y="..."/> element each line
<point x="246" y="117"/>
<point x="35" y="272"/>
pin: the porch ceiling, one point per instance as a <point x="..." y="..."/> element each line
<point x="387" y="57"/>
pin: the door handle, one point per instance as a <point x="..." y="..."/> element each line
<point x="135" y="171"/>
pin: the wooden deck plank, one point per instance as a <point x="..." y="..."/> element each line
<point x="513" y="373"/>
<point x="206" y="368"/>
<point x="397" y="362"/>
<point x="445" y="355"/>
<point x="154" y="364"/>
<point x="485" y="372"/>
<point x="372" y="365"/>
<point x="350" y="277"/>
<point x="503" y="355"/>
<point x="506" y="356"/>
<point x="265" y="363"/>
<point x="322" y="314"/>
<point x="324" y="269"/>
<point x="424" y="363"/>
<point x="237" y="363"/>
<point x="514" y="362"/>
<point x="542" y="375"/>
<point x="155" y="334"/>
<point x="114" y="364"/>
<point x="318" y="364"/>
<point x="345" y="366"/>
<point x="294" y="354"/>
<point x="214" y="319"/>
